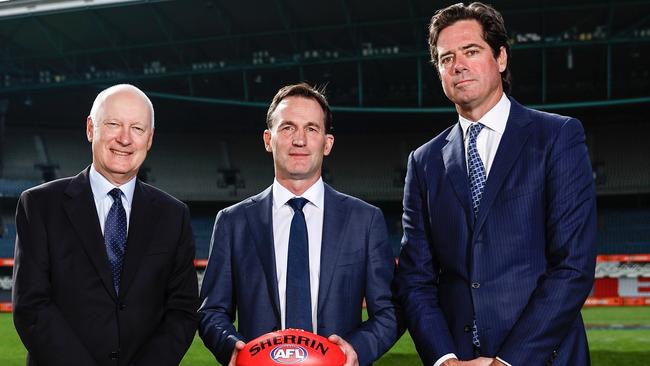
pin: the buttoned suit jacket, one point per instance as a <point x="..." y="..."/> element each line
<point x="522" y="267"/>
<point x="65" y="306"/>
<point x="356" y="262"/>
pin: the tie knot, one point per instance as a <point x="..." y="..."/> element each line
<point x="297" y="203"/>
<point x="474" y="130"/>
<point x="116" y="194"/>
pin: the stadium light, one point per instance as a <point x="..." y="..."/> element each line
<point x="21" y="8"/>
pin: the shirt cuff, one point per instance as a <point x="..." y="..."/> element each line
<point x="503" y="362"/>
<point x="446" y="357"/>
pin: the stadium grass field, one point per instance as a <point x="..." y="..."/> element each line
<point x="630" y="347"/>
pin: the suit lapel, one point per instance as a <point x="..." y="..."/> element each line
<point x="513" y="140"/>
<point x="81" y="210"/>
<point x="260" y="217"/>
<point x="142" y="223"/>
<point x="453" y="155"/>
<point x="334" y="223"/>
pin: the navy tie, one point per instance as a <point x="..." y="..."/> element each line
<point x="298" y="294"/>
<point x="477" y="180"/>
<point x="476" y="169"/>
<point x="115" y="236"/>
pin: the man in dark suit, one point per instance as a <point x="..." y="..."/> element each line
<point x="104" y="262"/>
<point x="498" y="253"/>
<point x="258" y="269"/>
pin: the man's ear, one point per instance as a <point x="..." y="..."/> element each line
<point x="267" y="140"/>
<point x="329" y="143"/>
<point x="502" y="59"/>
<point x="90" y="129"/>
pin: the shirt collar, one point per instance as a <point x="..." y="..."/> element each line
<point x="314" y="194"/>
<point x="101" y="186"/>
<point x="495" y="119"/>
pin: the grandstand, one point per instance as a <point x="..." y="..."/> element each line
<point x="211" y="68"/>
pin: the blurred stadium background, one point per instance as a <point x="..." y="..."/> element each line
<point x="212" y="66"/>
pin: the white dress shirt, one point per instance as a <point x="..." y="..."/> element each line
<point x="488" y="139"/>
<point x="282" y="216"/>
<point x="103" y="201"/>
<point x="487" y="144"/>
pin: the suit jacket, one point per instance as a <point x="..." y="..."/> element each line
<point x="66" y="310"/>
<point x="356" y="262"/>
<point x="523" y="267"/>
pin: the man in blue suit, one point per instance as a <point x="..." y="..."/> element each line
<point x="498" y="253"/>
<point x="256" y="271"/>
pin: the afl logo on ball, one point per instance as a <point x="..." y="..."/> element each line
<point x="288" y="354"/>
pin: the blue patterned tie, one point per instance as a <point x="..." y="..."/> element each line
<point x="476" y="184"/>
<point x="298" y="293"/>
<point x="476" y="169"/>
<point x="115" y="236"/>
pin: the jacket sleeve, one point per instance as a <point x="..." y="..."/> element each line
<point x="376" y="335"/>
<point x="571" y="252"/>
<point x="46" y="334"/>
<point x="175" y="333"/>
<point x="417" y="274"/>
<point x="218" y="303"/>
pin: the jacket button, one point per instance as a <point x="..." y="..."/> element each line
<point x="114" y="355"/>
<point x="122" y="306"/>
<point x="466" y="329"/>
<point x="476" y="285"/>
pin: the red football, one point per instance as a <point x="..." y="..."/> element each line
<point x="290" y="347"/>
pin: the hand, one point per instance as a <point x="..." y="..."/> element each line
<point x="481" y="361"/>
<point x="496" y="362"/>
<point x="238" y="347"/>
<point x="351" y="358"/>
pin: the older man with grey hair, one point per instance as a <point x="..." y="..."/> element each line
<point x="104" y="262"/>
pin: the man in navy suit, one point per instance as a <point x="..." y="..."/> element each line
<point x="253" y="268"/>
<point x="498" y="253"/>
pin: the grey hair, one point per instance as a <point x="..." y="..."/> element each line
<point x="101" y="97"/>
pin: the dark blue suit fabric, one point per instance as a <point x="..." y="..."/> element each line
<point x="356" y="262"/>
<point x="523" y="267"/>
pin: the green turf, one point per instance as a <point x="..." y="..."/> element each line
<point x="639" y="315"/>
<point x="12" y="351"/>
<point x="608" y="347"/>
<point x="619" y="347"/>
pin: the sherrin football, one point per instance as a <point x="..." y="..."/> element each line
<point x="290" y="347"/>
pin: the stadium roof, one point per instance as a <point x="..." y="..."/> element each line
<point x="372" y="55"/>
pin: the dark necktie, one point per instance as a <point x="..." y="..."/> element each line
<point x="298" y="293"/>
<point x="476" y="169"/>
<point x="115" y="236"/>
<point x="476" y="183"/>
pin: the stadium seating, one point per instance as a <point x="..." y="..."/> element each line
<point x="228" y="167"/>
<point x="624" y="231"/>
<point x="620" y="159"/>
<point x="8" y="239"/>
<point x="20" y="156"/>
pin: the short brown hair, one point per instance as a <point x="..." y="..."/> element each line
<point x="494" y="31"/>
<point x="301" y="90"/>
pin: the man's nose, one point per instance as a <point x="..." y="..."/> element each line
<point x="299" y="138"/>
<point x="124" y="135"/>
<point x="459" y="65"/>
